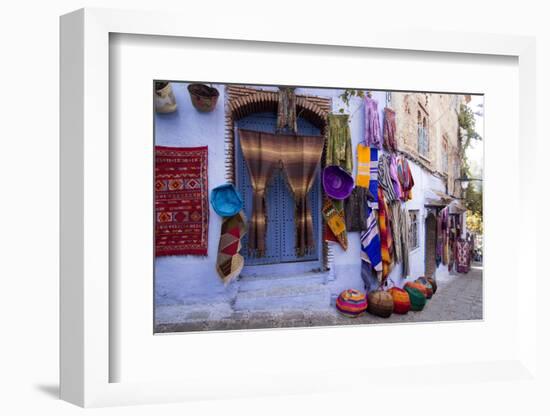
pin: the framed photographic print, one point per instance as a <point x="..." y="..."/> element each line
<point x="243" y="215"/>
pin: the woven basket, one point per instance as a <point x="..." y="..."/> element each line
<point x="203" y="97"/>
<point x="433" y="283"/>
<point x="418" y="300"/>
<point x="418" y="286"/>
<point x="401" y="300"/>
<point x="380" y="303"/>
<point x="351" y="303"/>
<point x="427" y="285"/>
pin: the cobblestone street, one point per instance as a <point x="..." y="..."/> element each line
<point x="459" y="297"/>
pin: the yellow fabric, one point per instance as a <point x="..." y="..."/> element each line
<point x="363" y="166"/>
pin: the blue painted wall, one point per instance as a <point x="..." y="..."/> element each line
<point x="187" y="280"/>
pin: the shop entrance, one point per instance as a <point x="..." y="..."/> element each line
<point x="280" y="233"/>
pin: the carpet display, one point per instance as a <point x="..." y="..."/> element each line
<point x="181" y="201"/>
<point x="351" y="303"/>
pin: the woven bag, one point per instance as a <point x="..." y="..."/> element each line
<point x="418" y="286"/>
<point x="401" y="300"/>
<point x="351" y="303"/>
<point x="418" y="300"/>
<point x="427" y="285"/>
<point x="380" y="303"/>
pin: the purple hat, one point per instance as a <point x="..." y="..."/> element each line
<point x="337" y="182"/>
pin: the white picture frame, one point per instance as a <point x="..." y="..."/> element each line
<point x="86" y="305"/>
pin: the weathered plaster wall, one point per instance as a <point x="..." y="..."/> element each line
<point x="188" y="280"/>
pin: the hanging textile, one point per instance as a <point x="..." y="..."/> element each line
<point x="439" y="242"/>
<point x="395" y="178"/>
<point x="373" y="136"/>
<point x="390" y="142"/>
<point x="384" y="178"/>
<point x="355" y="210"/>
<point x="363" y="166"/>
<point x="229" y="262"/>
<point x="370" y="242"/>
<point x="385" y="235"/>
<point x="299" y="157"/>
<point x="286" y="111"/>
<point x="405" y="178"/>
<point x="395" y="223"/>
<point x="404" y="224"/>
<point x="373" y="183"/>
<point x="370" y="277"/>
<point x="462" y="256"/>
<point x="181" y="201"/>
<point x="339" y="142"/>
<point x="335" y="221"/>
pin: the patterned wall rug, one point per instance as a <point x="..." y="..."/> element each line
<point x="181" y="201"/>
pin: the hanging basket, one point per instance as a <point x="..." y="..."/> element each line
<point x="165" y="101"/>
<point x="203" y="97"/>
<point x="380" y="303"/>
<point x="418" y="299"/>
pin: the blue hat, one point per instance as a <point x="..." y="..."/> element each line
<point x="225" y="200"/>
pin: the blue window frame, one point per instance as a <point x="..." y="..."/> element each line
<point x="280" y="233"/>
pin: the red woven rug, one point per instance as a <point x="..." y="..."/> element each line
<point x="181" y="201"/>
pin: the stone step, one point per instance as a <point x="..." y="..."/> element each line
<point x="283" y="293"/>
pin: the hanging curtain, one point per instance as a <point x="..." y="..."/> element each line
<point x="262" y="155"/>
<point x="373" y="136"/>
<point x="286" y="111"/>
<point x="385" y="235"/>
<point x="395" y="222"/>
<point x="339" y="142"/>
<point x="390" y="142"/>
<point x="301" y="157"/>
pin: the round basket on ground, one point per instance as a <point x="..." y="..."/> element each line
<point x="380" y="303"/>
<point x="203" y="97"/>
<point x="351" y="303"/>
<point x="427" y="285"/>
<point x="433" y="283"/>
<point x="418" y="286"/>
<point x="418" y="300"/>
<point x="401" y="300"/>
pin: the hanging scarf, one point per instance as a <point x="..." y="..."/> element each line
<point x="405" y="242"/>
<point x="373" y="137"/>
<point x="394" y="177"/>
<point x="439" y="242"/>
<point x="363" y="166"/>
<point x="385" y="235"/>
<point x="395" y="223"/>
<point x="390" y="142"/>
<point x="286" y="111"/>
<point x="370" y="242"/>
<point x="384" y="178"/>
<point x="405" y="178"/>
<point x="339" y="142"/>
<point x="373" y="183"/>
<point x="299" y="157"/>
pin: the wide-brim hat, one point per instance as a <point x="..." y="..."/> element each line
<point x="337" y="182"/>
<point x="225" y="200"/>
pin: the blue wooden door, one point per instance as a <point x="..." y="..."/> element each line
<point x="281" y="232"/>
